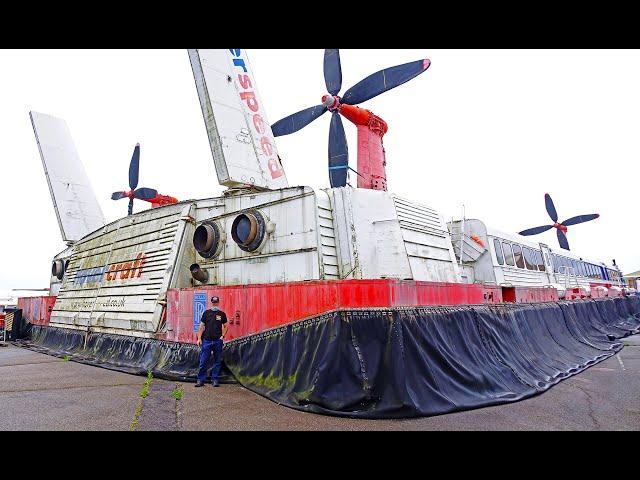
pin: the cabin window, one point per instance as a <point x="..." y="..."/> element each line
<point x="580" y="269"/>
<point x="498" y="249"/>
<point x="529" y="261"/>
<point x="540" y="260"/>
<point x="508" y="254"/>
<point x="518" y="254"/>
<point x="563" y="265"/>
<point x="574" y="265"/>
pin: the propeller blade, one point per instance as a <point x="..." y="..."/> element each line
<point x="562" y="239"/>
<point x="130" y="206"/>
<point x="580" y="219"/>
<point x="535" y="230"/>
<point x="338" y="152"/>
<point x="298" y="120"/>
<point x="384" y="80"/>
<point x="551" y="209"/>
<point x="145" y="193"/>
<point x="118" y="195"/>
<point x="134" y="167"/>
<point x="332" y="70"/>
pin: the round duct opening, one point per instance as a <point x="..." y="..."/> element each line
<point x="207" y="239"/>
<point x="249" y="230"/>
<point x="57" y="269"/>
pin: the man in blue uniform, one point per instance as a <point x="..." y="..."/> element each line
<point x="213" y="327"/>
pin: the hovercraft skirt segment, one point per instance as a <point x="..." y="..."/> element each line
<point x="388" y="362"/>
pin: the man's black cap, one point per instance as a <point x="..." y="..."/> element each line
<point x="215" y="299"/>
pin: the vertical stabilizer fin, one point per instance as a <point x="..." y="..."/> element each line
<point x="242" y="143"/>
<point x="73" y="197"/>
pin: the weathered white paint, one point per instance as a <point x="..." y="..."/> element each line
<point x="132" y="300"/>
<point x="290" y="253"/>
<point x="74" y="200"/>
<point x="327" y="235"/>
<point x="242" y="143"/>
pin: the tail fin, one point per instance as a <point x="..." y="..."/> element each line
<point x="73" y="197"/>
<point x="233" y="111"/>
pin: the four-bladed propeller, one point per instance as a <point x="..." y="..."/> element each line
<point x="560" y="226"/>
<point x="141" y="193"/>
<point x="367" y="89"/>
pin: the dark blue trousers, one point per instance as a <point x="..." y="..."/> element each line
<point x="209" y="348"/>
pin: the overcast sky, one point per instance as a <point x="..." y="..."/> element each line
<point x="491" y="129"/>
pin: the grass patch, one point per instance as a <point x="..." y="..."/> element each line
<point x="66" y="358"/>
<point x="144" y="393"/>
<point x="178" y="392"/>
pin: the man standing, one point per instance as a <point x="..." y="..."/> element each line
<point x="213" y="327"/>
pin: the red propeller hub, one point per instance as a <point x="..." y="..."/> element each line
<point x="331" y="102"/>
<point x="561" y="227"/>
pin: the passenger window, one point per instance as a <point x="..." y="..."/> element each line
<point x="517" y="251"/>
<point x="540" y="261"/>
<point x="498" y="249"/>
<point x="528" y="258"/>
<point x="508" y="254"/>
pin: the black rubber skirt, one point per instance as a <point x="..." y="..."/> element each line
<point x="388" y="363"/>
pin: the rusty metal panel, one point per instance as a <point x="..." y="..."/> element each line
<point x="74" y="200"/>
<point x="255" y="308"/>
<point x="427" y="242"/>
<point x="118" y="276"/>
<point x="330" y="263"/>
<point x="344" y="231"/>
<point x="369" y="235"/>
<point x="290" y="252"/>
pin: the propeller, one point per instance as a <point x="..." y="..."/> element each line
<point x="560" y="226"/>
<point x="141" y="193"/>
<point x="370" y="87"/>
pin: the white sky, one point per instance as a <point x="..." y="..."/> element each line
<point x="493" y="129"/>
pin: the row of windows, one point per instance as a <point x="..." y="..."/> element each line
<point x="583" y="269"/>
<point x="515" y="255"/>
<point x="519" y="256"/>
<point x="578" y="267"/>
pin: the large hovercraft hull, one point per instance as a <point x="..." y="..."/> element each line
<point x="386" y="362"/>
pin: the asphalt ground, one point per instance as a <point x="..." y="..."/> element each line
<point x="40" y="392"/>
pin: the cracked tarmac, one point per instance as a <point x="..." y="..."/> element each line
<point x="40" y="392"/>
